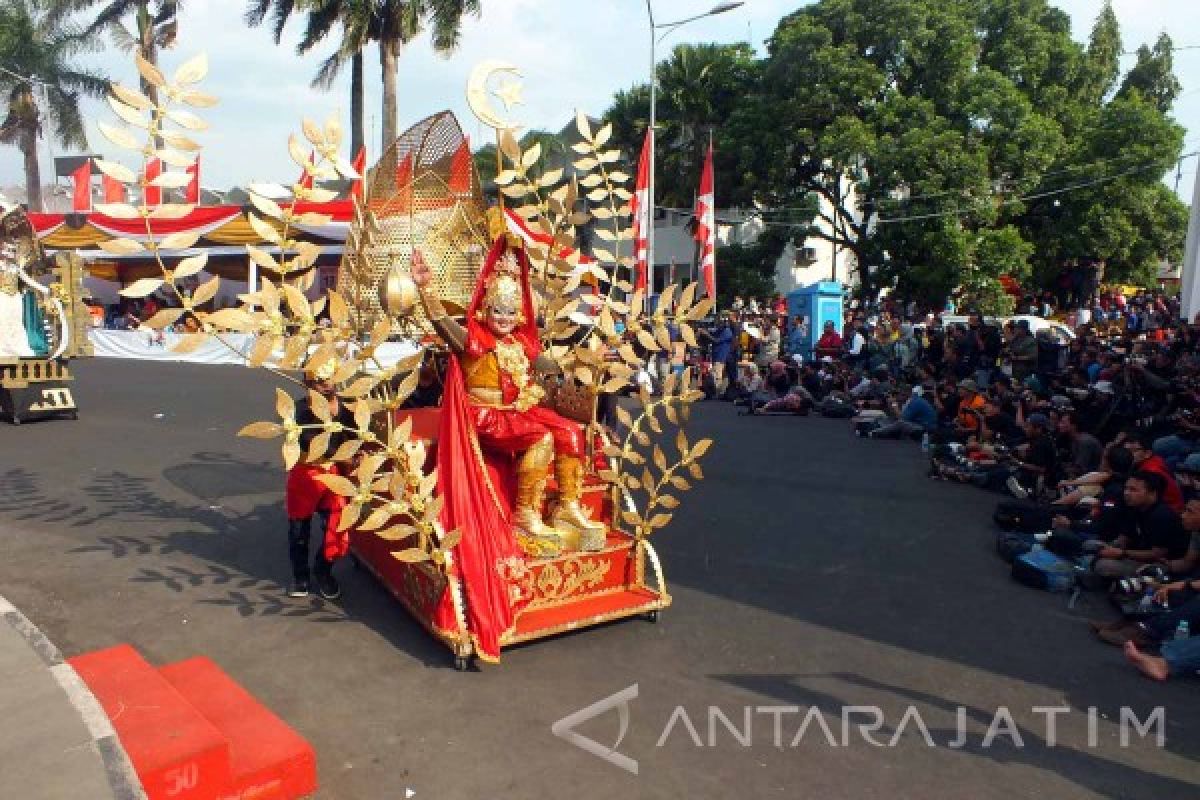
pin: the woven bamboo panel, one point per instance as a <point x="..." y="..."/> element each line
<point x="424" y="192"/>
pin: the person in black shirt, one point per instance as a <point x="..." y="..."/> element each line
<point x="1154" y="531"/>
<point x="1038" y="459"/>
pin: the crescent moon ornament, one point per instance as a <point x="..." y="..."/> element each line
<point x="478" y="94"/>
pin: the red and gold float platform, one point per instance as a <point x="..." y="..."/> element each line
<point x="569" y="592"/>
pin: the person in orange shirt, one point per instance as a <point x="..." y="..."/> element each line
<point x="970" y="406"/>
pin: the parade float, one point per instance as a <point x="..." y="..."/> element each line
<point x="494" y="508"/>
<point x="42" y="323"/>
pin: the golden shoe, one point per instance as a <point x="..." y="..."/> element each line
<point x="569" y="514"/>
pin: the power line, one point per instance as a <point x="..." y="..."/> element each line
<point x="1036" y="196"/>
<point x="960" y="212"/>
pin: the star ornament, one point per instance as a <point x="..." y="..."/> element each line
<point x="510" y="94"/>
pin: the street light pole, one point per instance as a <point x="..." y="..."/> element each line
<point x="655" y="38"/>
<point x="653" y="150"/>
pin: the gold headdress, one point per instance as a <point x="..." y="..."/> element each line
<point x="504" y="288"/>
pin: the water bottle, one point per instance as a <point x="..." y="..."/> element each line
<point x="925" y="442"/>
<point x="1182" y="631"/>
<point x="1147" y="603"/>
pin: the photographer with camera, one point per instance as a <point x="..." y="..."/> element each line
<point x="1182" y="597"/>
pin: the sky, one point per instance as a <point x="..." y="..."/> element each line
<point x="573" y="54"/>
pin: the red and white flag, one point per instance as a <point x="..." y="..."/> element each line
<point x="706" y="227"/>
<point x="306" y="180"/>
<point x="152" y="194"/>
<point x="360" y="166"/>
<point x="82" y="195"/>
<point x="639" y="207"/>
<point x="193" y="189"/>
<point x="114" y="190"/>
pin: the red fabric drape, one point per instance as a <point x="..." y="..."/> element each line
<point x="82" y="178"/>
<point x="489" y="559"/>
<point x="460" y="169"/>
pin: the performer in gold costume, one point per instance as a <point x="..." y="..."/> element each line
<point x="498" y="352"/>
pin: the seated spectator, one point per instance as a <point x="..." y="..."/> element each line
<point x="916" y="418"/>
<point x="1154" y="531"/>
<point x="1036" y="465"/>
<point x="829" y="344"/>
<point x="1084" y="449"/>
<point x="1145" y="460"/>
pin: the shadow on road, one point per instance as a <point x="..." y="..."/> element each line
<point x="235" y="571"/>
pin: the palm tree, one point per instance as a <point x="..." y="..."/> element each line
<point x="390" y="23"/>
<point x="41" y="83"/>
<point x="401" y="21"/>
<point x="155" y="25"/>
<point x="354" y="17"/>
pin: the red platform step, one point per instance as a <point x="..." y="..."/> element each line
<point x="193" y="734"/>
<point x="267" y="759"/>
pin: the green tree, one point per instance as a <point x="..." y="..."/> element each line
<point x="42" y="84"/>
<point x="949" y="142"/>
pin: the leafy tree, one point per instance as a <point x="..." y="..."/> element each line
<point x="41" y="84"/>
<point x="954" y="141"/>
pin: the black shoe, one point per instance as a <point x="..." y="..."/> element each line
<point x="327" y="586"/>
<point x="299" y="588"/>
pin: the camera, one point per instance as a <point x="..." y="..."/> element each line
<point x="1147" y="578"/>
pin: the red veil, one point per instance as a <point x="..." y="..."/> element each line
<point x="477" y="494"/>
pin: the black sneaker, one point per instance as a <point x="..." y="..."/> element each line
<point x="299" y="588"/>
<point x="327" y="586"/>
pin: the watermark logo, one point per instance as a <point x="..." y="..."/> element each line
<point x="565" y="728"/>
<point x="783" y="727"/>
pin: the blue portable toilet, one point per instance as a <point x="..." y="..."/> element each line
<point x="819" y="303"/>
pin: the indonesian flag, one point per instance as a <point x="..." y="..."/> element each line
<point x="706" y="226"/>
<point x="639" y="207"/>
<point x="306" y="180"/>
<point x="193" y="189"/>
<point x="114" y="190"/>
<point x="360" y="166"/>
<point x="153" y="194"/>
<point x="82" y="178"/>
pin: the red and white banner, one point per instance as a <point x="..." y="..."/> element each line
<point x="520" y="228"/>
<point x="82" y="195"/>
<point x="153" y="194"/>
<point x="360" y="166"/>
<point x="114" y="190"/>
<point x="193" y="189"/>
<point x="706" y="227"/>
<point x="640" y="208"/>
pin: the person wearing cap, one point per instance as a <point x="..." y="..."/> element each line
<point x="917" y="416"/>
<point x="970" y="406"/>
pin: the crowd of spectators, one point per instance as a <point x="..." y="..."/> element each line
<point x="1091" y="427"/>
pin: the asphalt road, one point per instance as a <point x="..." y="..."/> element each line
<point x="810" y="570"/>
